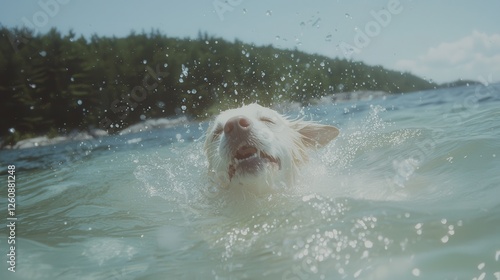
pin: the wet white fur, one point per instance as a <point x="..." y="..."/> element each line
<point x="271" y="133"/>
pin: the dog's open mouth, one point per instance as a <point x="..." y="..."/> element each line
<point x="248" y="159"/>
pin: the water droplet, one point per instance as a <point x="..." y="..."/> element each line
<point x="79" y="102"/>
<point x="302" y="24"/>
<point x="244" y="11"/>
<point x="328" y="38"/>
<point x="277" y="37"/>
<point x="316" y="23"/>
<point x="368" y="244"/>
<point x="43" y="53"/>
<point x="183" y="107"/>
<point x="144" y="61"/>
<point x="415" y="272"/>
<point x="451" y="230"/>
<point x="314" y="269"/>
<point x="347" y="15"/>
<point x="481" y="266"/>
<point x="185" y="70"/>
<point x="178" y="136"/>
<point x="269" y="13"/>
<point x="12" y="130"/>
<point x="445" y="239"/>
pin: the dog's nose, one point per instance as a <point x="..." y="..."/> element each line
<point x="238" y="124"/>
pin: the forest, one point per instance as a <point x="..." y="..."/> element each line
<point x="56" y="83"/>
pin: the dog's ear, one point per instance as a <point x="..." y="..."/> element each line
<point x="313" y="134"/>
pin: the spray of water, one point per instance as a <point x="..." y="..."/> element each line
<point x="322" y="226"/>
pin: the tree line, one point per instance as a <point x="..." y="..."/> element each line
<point x="55" y="83"/>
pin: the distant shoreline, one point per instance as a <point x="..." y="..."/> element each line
<point x="151" y="124"/>
<point x="76" y="135"/>
<point x="57" y="83"/>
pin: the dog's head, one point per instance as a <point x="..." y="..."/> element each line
<point x="258" y="149"/>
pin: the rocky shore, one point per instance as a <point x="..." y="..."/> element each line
<point x="96" y="133"/>
<point x="170" y="122"/>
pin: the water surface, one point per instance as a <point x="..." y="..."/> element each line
<point x="410" y="189"/>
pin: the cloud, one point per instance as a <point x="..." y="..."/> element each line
<point x="475" y="56"/>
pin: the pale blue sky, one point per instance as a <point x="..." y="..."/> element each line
<point x="439" y="40"/>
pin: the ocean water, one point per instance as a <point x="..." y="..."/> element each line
<point x="409" y="190"/>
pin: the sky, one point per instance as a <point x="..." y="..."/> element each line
<point x="442" y="41"/>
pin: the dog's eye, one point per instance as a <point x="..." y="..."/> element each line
<point x="267" y="120"/>
<point x="217" y="132"/>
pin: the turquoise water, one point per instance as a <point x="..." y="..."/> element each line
<point x="410" y="190"/>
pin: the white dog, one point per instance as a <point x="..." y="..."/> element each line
<point x="259" y="150"/>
